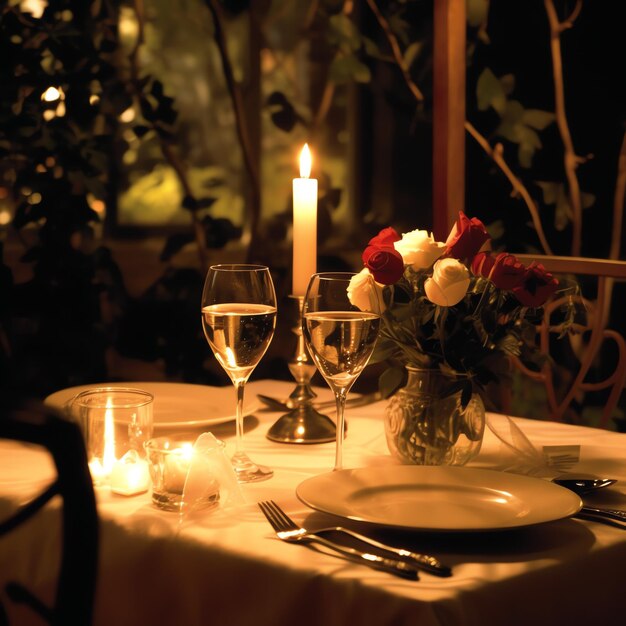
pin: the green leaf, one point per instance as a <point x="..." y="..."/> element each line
<point x="513" y="111"/>
<point x="508" y="83"/>
<point x="525" y="154"/>
<point x="563" y="214"/>
<point x="550" y="191"/>
<point x="175" y="243"/>
<point x="495" y="229"/>
<point x="412" y="52"/>
<point x="508" y="130"/>
<point x="477" y="11"/>
<point x="400" y="28"/>
<point x="528" y="142"/>
<point x="489" y="92"/>
<point x="371" y="48"/>
<point x="587" y="199"/>
<point x="282" y="111"/>
<point x="344" y="33"/>
<point x="345" y="69"/>
<point x="537" y="119"/>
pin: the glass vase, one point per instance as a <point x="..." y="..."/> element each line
<point x="424" y="427"/>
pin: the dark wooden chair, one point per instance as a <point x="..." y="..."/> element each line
<point x="587" y="343"/>
<point x="32" y="423"/>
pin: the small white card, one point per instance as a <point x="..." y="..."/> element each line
<point x="561" y="457"/>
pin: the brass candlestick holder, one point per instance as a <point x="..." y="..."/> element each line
<point x="303" y="423"/>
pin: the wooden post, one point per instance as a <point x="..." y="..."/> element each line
<point x="448" y="114"/>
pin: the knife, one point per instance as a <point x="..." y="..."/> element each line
<point x="425" y="562"/>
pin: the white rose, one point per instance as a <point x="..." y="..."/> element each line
<point x="419" y="249"/>
<point x="448" y="284"/>
<point x="365" y="293"/>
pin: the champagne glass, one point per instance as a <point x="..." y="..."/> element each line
<point x="238" y="318"/>
<point x="340" y="336"/>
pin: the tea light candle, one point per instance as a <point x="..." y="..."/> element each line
<point x="304" y="225"/>
<point x="130" y="475"/>
<point x="176" y="467"/>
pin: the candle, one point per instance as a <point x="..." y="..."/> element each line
<point x="304" y="225"/>
<point x="176" y="467"/>
<point x="130" y="475"/>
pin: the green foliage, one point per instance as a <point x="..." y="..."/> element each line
<point x="65" y="85"/>
<point x="517" y="124"/>
<point x="556" y="194"/>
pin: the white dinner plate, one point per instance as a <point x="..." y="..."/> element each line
<point x="176" y="405"/>
<point x="438" y="498"/>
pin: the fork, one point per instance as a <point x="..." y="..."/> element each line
<point x="426" y="562"/>
<point x="288" y="531"/>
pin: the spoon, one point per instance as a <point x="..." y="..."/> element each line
<point x="583" y="486"/>
<point x="613" y="517"/>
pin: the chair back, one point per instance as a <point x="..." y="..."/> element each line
<point x="33" y="423"/>
<point x="587" y="341"/>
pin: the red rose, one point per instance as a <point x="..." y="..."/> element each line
<point x="466" y="238"/>
<point x="482" y="264"/>
<point x="538" y="285"/>
<point x="504" y="271"/>
<point x="385" y="238"/>
<point x="384" y="262"/>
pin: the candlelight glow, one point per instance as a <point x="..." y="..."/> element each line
<point x="185" y="451"/>
<point x="305" y="162"/>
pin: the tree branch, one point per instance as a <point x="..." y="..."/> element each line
<point x="240" y="118"/>
<point x="618" y="203"/>
<point x="618" y="222"/>
<point x="395" y="48"/>
<point x="516" y="183"/>
<point x="569" y="22"/>
<point x="570" y="159"/>
<point x="168" y="152"/>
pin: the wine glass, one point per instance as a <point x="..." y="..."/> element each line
<point x="340" y="336"/>
<point x="238" y="318"/>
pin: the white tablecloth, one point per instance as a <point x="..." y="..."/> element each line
<point x="226" y="567"/>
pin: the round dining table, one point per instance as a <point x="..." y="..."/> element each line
<point x="225" y="566"/>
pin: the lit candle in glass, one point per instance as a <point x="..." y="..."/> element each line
<point x="304" y="225"/>
<point x="100" y="468"/>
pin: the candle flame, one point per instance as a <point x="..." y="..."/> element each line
<point x="108" y="455"/>
<point x="305" y="162"/>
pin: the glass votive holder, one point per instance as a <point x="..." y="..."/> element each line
<point x="176" y="466"/>
<point x="116" y="422"/>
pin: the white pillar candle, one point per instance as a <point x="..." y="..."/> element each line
<point x="304" y="225"/>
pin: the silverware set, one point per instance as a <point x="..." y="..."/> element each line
<point x="399" y="562"/>
<point x="402" y="562"/>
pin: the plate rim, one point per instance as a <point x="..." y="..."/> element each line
<point x="576" y="502"/>
<point x="250" y="405"/>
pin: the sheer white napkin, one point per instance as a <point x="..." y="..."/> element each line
<point x="210" y="477"/>
<point x="525" y="458"/>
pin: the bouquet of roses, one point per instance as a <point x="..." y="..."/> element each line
<point x="454" y="306"/>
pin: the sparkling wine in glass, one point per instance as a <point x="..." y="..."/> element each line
<point x="238" y="318"/>
<point x="339" y="336"/>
